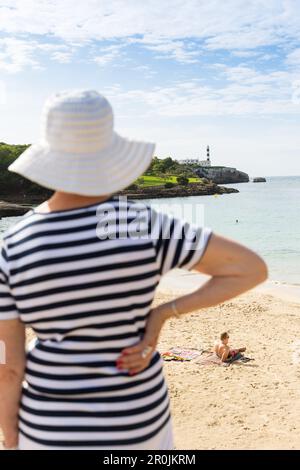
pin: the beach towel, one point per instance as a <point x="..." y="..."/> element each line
<point x="212" y="359"/>
<point x="181" y="354"/>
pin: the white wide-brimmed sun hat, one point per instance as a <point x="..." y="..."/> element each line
<point x="79" y="151"/>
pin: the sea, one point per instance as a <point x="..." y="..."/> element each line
<point x="263" y="216"/>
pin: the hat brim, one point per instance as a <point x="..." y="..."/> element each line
<point x="91" y="174"/>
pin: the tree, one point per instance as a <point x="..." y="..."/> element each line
<point x="132" y="187"/>
<point x="12" y="183"/>
<point x="182" y="180"/>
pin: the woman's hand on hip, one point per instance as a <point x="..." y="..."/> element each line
<point x="136" y="358"/>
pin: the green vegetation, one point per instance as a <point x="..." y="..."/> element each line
<point x="169" y="185"/>
<point x="165" y="171"/>
<point x="162" y="172"/>
<point x="144" y="181"/>
<point x="167" y="166"/>
<point x="182" y="180"/>
<point x="11" y="183"/>
<point x="133" y="187"/>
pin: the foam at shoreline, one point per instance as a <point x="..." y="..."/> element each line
<point x="181" y="282"/>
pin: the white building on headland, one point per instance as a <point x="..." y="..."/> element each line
<point x="199" y="162"/>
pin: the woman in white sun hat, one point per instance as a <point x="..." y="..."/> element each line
<point x="93" y="378"/>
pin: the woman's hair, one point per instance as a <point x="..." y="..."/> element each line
<point x="224" y="335"/>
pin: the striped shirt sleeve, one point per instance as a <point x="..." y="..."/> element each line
<point x="178" y="244"/>
<point x="8" y="310"/>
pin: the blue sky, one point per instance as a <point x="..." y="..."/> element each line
<point x="183" y="74"/>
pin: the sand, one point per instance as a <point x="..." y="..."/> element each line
<point x="248" y="406"/>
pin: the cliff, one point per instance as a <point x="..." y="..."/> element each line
<point x="192" y="189"/>
<point x="222" y="174"/>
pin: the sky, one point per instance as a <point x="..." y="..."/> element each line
<point x="180" y="73"/>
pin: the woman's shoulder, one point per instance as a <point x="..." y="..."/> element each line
<point x="23" y="222"/>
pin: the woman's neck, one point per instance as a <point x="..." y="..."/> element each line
<point x="64" y="201"/>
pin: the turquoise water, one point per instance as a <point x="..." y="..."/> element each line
<point x="268" y="217"/>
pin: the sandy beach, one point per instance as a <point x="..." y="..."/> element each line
<point x="245" y="406"/>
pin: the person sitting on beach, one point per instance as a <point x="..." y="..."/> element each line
<point x="222" y="349"/>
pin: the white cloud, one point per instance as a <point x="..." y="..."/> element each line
<point x="173" y="29"/>
<point x="293" y="58"/>
<point x="234" y="24"/>
<point x="186" y="32"/>
<point x="268" y="57"/>
<point x="177" y="50"/>
<point x="62" y="57"/>
<point x="147" y="71"/>
<point x="245" y="54"/>
<point x="61" y="53"/>
<point x="16" y="54"/>
<point x="244" y="92"/>
<point x="104" y="59"/>
<point x="109" y="54"/>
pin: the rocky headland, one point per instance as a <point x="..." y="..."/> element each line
<point x="192" y="189"/>
<point x="222" y="174"/>
<point x="20" y="205"/>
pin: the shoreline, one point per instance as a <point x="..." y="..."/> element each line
<point x="180" y="281"/>
<point x="186" y="281"/>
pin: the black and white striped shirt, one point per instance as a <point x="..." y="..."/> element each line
<point x="87" y="297"/>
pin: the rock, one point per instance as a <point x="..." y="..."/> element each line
<point x="192" y="189"/>
<point x="8" y="209"/>
<point x="222" y="174"/>
<point x="259" y="180"/>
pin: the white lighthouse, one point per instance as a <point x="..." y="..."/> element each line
<point x="206" y="162"/>
<point x="208" y="156"/>
<point x="197" y="161"/>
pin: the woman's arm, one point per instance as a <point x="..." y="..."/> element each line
<point x="12" y="334"/>
<point x="233" y="268"/>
